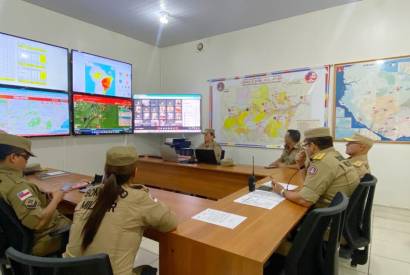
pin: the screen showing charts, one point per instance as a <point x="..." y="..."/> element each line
<point x="100" y="76"/>
<point x="34" y="113"/>
<point x="167" y="113"/>
<point x="28" y="63"/>
<point x="97" y="115"/>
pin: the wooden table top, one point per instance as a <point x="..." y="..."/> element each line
<point x="176" y="201"/>
<point x="255" y="238"/>
<point x="237" y="169"/>
<point x="260" y="234"/>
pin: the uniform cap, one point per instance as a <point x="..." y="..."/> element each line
<point x="121" y="156"/>
<point x="317" y="132"/>
<point x="361" y="139"/>
<point x="209" y="130"/>
<point x="16" y="141"/>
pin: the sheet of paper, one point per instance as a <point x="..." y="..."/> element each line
<point x="289" y="186"/>
<point x="220" y="218"/>
<point x="259" y="198"/>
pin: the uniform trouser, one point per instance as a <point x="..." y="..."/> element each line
<point x="45" y="244"/>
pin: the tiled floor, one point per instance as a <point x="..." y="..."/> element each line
<point x="389" y="251"/>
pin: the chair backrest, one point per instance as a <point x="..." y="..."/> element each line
<point x="16" y="234"/>
<point x="311" y="254"/>
<point x="358" y="214"/>
<point x="24" y="264"/>
<point x="222" y="154"/>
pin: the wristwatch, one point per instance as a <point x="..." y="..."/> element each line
<point x="283" y="192"/>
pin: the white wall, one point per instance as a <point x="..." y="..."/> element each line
<point x="365" y="30"/>
<point x="83" y="154"/>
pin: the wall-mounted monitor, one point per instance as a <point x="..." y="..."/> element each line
<point x="28" y="63"/>
<point x="167" y="113"/>
<point x="98" y="75"/>
<point x="28" y="112"/>
<point x="98" y="115"/>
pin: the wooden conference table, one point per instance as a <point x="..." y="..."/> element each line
<point x="200" y="248"/>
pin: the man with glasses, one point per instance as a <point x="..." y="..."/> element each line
<point x="29" y="203"/>
<point x="328" y="172"/>
<point x="357" y="148"/>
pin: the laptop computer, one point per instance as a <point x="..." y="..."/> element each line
<point x="206" y="156"/>
<point x="168" y="154"/>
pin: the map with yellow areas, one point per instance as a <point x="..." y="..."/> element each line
<point x="258" y="110"/>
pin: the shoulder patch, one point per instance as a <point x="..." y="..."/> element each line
<point x="312" y="170"/>
<point x="31" y="203"/>
<point x="358" y="163"/>
<point x="25" y="194"/>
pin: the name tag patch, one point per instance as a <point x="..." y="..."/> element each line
<point x="31" y="203"/>
<point x="25" y="194"/>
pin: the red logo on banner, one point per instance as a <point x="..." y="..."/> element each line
<point x="311" y="77"/>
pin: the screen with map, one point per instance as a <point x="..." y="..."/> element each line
<point x="29" y="63"/>
<point x="27" y="112"/>
<point x="98" y="115"/>
<point x="373" y="99"/>
<point x="100" y="76"/>
<point x="167" y="113"/>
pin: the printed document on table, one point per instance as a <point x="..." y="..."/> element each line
<point x="289" y="186"/>
<point x="260" y="198"/>
<point x="220" y="218"/>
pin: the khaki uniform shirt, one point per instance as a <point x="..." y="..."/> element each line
<point x="213" y="146"/>
<point x="288" y="156"/>
<point x="28" y="202"/>
<point x="327" y="174"/>
<point x="122" y="227"/>
<point x="361" y="164"/>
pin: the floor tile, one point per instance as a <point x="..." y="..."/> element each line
<point x="348" y="271"/>
<point x="145" y="257"/>
<point x="391" y="244"/>
<point x="150" y="245"/>
<point x="382" y="266"/>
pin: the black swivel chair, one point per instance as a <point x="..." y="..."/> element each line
<point x="358" y="222"/>
<point x="16" y="235"/>
<point x="23" y="264"/>
<point x="311" y="254"/>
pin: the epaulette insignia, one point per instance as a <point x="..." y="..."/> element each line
<point x="319" y="156"/>
<point x="358" y="163"/>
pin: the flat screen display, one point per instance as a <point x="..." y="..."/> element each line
<point x="28" y="63"/>
<point x="26" y="112"/>
<point x="98" y="115"/>
<point x="167" y="113"/>
<point x="97" y="75"/>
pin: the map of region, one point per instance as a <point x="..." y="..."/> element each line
<point x="100" y="79"/>
<point x="373" y="99"/>
<point x="257" y="111"/>
<point x="34" y="116"/>
<point x="101" y="116"/>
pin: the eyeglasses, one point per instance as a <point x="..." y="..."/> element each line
<point x="25" y="156"/>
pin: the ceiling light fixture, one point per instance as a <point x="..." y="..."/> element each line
<point x="164" y="18"/>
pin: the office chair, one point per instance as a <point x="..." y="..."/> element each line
<point x="311" y="253"/>
<point x="358" y="222"/>
<point x="24" y="264"/>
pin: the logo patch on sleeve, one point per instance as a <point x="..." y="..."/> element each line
<point x="312" y="170"/>
<point x="31" y="203"/>
<point x="25" y="194"/>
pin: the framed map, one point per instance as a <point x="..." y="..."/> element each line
<point x="257" y="110"/>
<point x="373" y="98"/>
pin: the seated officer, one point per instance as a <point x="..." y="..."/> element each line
<point x="209" y="143"/>
<point x="25" y="198"/>
<point x="292" y="148"/>
<point x="357" y="148"/>
<point x="112" y="216"/>
<point x="328" y="172"/>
